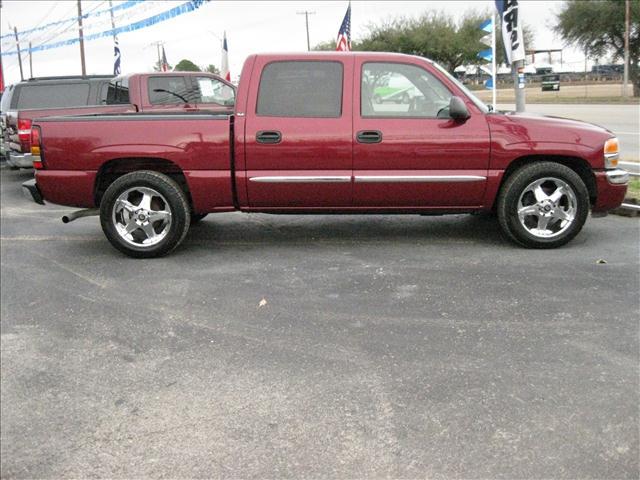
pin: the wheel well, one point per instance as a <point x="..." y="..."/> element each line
<point x="578" y="165"/>
<point x="114" y="169"/>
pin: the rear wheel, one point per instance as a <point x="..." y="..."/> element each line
<point x="543" y="205"/>
<point x="144" y="214"/>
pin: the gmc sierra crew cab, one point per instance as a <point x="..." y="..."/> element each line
<point x="136" y="92"/>
<point x="307" y="135"/>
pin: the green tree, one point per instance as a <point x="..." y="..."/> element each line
<point x="185" y="65"/>
<point x="597" y="27"/>
<point x="434" y="35"/>
<point x="211" y="68"/>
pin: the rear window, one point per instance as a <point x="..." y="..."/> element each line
<point x="53" y="95"/>
<point x="169" y="90"/>
<point x="301" y="89"/>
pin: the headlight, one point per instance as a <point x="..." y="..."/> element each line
<point x="611" y="153"/>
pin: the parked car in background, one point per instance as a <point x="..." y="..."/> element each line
<point x="308" y="137"/>
<point x="25" y="100"/>
<point x="139" y="92"/>
<point x="551" y="82"/>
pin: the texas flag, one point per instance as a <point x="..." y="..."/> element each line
<point x="226" y="74"/>
<point x="343" y="43"/>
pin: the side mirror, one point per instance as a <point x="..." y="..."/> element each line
<point x="457" y="109"/>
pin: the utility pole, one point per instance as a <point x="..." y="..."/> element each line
<point x="158" y="45"/>
<point x="15" y="30"/>
<point x="81" y="35"/>
<point x="30" y="62"/>
<point x="306" y="14"/>
<point x="519" y="85"/>
<point x="627" y="19"/>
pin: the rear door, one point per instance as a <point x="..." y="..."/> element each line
<point x="298" y="133"/>
<point x="407" y="152"/>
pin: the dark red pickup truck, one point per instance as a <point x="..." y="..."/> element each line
<point x="307" y="136"/>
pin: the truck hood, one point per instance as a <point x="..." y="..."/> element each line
<point x="529" y="127"/>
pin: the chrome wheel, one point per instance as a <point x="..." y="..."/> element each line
<point x="142" y="216"/>
<point x="547" y="207"/>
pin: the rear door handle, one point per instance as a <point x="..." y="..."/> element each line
<point x="268" y="136"/>
<point x="369" y="136"/>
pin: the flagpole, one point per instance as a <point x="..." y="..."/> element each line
<point x="493" y="59"/>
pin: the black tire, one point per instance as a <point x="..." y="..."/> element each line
<point x="196" y="217"/>
<point x="171" y="197"/>
<point x="526" y="232"/>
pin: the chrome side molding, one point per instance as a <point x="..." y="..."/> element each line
<point x="303" y="179"/>
<point x="417" y="178"/>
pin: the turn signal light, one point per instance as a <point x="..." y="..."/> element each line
<point x="611" y="153"/>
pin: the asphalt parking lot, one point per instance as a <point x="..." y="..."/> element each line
<point x="317" y="346"/>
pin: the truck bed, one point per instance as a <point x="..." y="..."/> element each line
<point x="79" y="149"/>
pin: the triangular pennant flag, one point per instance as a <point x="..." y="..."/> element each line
<point x="487" y="40"/>
<point x="486" y="55"/>
<point x="487" y="26"/>
<point x="489" y="84"/>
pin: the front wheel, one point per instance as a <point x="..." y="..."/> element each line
<point x="145" y="214"/>
<point x="543" y="205"/>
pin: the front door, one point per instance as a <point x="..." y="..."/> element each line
<point x="407" y="151"/>
<point x="298" y="134"/>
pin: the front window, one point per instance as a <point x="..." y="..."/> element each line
<point x="401" y="90"/>
<point x="477" y="102"/>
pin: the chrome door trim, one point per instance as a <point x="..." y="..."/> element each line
<point x="303" y="179"/>
<point x="417" y="178"/>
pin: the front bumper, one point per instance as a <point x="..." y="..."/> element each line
<point x="617" y="176"/>
<point x="611" y="189"/>
<point x="31" y="191"/>
<point x="19" y="160"/>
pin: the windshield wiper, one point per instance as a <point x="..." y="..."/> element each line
<point x="162" y="90"/>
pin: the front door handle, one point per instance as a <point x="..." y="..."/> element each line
<point x="369" y="136"/>
<point x="268" y="136"/>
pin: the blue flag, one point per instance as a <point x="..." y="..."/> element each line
<point x="116" y="57"/>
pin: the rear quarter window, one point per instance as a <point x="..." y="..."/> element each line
<point x="53" y="96"/>
<point x="301" y="89"/>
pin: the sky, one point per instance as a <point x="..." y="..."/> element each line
<point x="251" y="27"/>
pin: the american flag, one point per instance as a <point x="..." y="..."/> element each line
<point x="165" y="65"/>
<point x="343" y="43"/>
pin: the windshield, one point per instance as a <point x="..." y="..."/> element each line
<point x="478" y="103"/>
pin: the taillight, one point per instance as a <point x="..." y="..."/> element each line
<point x="36" y="148"/>
<point x="24" y="129"/>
